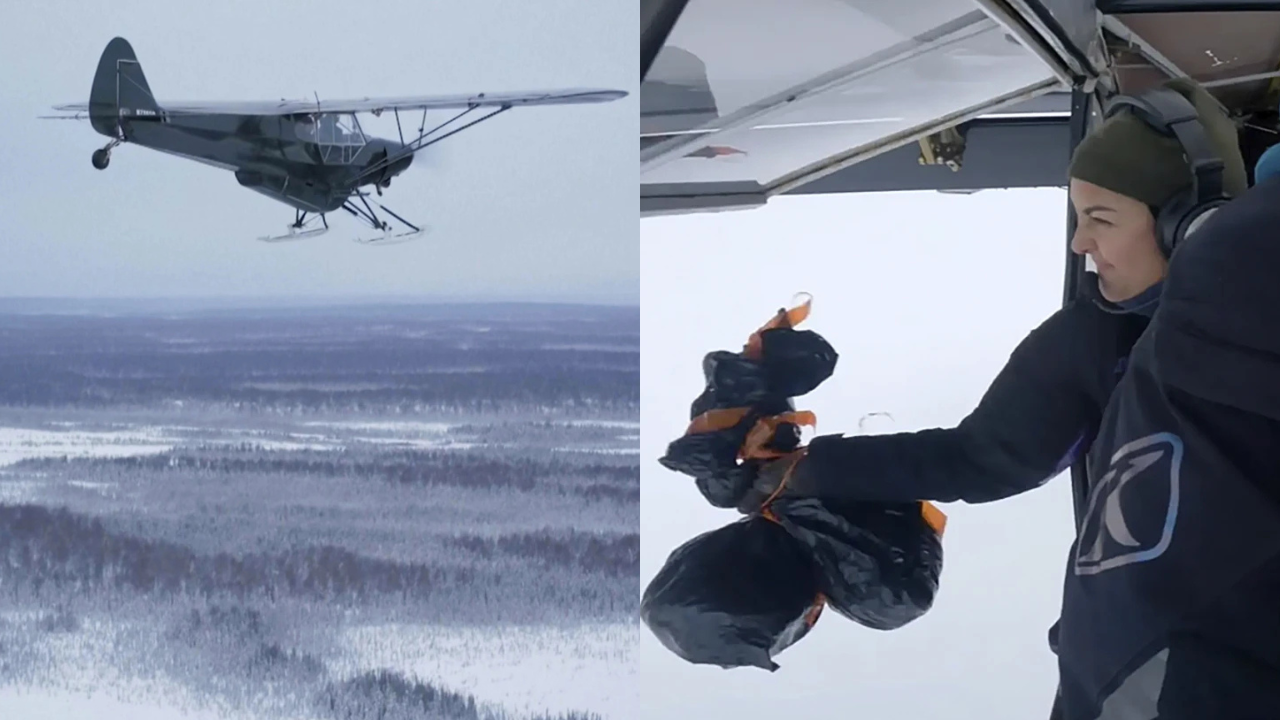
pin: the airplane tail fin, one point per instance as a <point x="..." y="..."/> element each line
<point x="119" y="89"/>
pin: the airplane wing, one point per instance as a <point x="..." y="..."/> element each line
<point x="743" y="104"/>
<point x="803" y="96"/>
<point x="567" y="96"/>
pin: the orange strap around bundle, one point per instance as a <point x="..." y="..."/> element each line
<point x="815" y="610"/>
<point x="753" y="448"/>
<point x="765" y="511"/>
<point x="713" y="420"/>
<point x="754" y="348"/>
<point x="934" y="517"/>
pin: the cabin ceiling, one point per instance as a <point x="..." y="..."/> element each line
<point x="1211" y="47"/>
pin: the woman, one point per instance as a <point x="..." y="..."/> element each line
<point x="1044" y="407"/>
<point x="1172" y="598"/>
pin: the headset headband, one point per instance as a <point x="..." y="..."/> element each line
<point x="1171" y="114"/>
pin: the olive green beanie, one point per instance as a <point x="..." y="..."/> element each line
<point x="1127" y="156"/>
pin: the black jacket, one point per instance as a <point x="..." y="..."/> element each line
<point x="1171" y="604"/>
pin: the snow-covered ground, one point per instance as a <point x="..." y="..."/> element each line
<point x="600" y="451"/>
<point x="527" y="669"/>
<point x="623" y="424"/>
<point x="72" y="439"/>
<point x="40" y="704"/>
<point x="17" y="444"/>
<point x="521" y="670"/>
<point x="400" y="428"/>
<point x="75" y="683"/>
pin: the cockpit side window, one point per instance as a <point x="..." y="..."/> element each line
<point x="338" y="135"/>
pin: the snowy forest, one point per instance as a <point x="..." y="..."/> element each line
<point x="356" y="512"/>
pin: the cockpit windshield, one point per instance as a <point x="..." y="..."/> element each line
<point x="338" y="134"/>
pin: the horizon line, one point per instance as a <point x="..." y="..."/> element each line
<point x="275" y="300"/>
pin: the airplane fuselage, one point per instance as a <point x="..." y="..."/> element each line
<point x="295" y="160"/>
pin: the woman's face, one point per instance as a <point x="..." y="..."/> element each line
<point x="1119" y="233"/>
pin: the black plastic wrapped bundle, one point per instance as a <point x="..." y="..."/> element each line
<point x="791" y="363"/>
<point x="734" y="597"/>
<point x="879" y="564"/>
<point x="739" y="595"/>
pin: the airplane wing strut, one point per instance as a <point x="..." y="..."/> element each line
<point x="428" y="137"/>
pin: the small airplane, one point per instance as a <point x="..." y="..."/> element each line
<point x="310" y="155"/>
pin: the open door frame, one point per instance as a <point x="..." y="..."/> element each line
<point x="1081" y="112"/>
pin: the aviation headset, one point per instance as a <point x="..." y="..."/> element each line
<point x="1173" y="115"/>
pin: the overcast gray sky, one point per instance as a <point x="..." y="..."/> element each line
<point x="924" y="296"/>
<point x="537" y="204"/>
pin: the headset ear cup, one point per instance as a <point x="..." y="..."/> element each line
<point x="1198" y="217"/>
<point x="1180" y="218"/>
<point x="1169" y="221"/>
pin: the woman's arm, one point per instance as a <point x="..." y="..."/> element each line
<point x="1023" y="432"/>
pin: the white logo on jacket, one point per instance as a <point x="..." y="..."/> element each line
<point x="1133" y="508"/>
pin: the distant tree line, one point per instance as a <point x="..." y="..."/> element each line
<point x="617" y="556"/>
<point x="56" y="552"/>
<point x="38" y="385"/>
<point x="319" y="363"/>
<point x="461" y="469"/>
<point x="598" y="492"/>
<point x="388" y="695"/>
